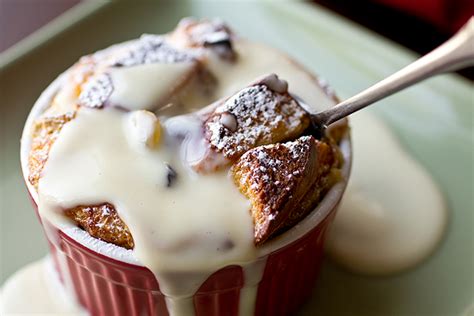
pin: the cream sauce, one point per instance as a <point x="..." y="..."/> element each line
<point x="392" y="215"/>
<point x="132" y="84"/>
<point x="36" y="289"/>
<point x="255" y="60"/>
<point x="176" y="229"/>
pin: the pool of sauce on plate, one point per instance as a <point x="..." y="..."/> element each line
<point x="393" y="214"/>
<point x="36" y="289"/>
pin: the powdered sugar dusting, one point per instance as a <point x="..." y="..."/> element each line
<point x="146" y="50"/>
<point x="270" y="164"/>
<point x="269" y="175"/>
<point x="152" y="49"/>
<point x="297" y="147"/>
<point x="259" y="113"/>
<point x="96" y="91"/>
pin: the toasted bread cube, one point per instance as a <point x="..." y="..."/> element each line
<point x="103" y="222"/>
<point x="260" y="114"/>
<point x="45" y="132"/>
<point x="276" y="178"/>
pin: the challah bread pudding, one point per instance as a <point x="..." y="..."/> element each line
<point x="189" y="150"/>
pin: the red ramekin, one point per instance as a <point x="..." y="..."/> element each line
<point x="104" y="285"/>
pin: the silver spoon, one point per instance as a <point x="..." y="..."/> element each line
<point x="454" y="54"/>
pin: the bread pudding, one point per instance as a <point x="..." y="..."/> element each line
<point x="190" y="150"/>
<point x="262" y="119"/>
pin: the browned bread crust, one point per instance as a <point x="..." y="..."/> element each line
<point x="279" y="178"/>
<point x="45" y="133"/>
<point x="102" y="222"/>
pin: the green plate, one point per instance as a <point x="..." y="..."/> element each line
<point x="434" y="120"/>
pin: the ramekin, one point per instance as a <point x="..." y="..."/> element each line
<point x="109" y="281"/>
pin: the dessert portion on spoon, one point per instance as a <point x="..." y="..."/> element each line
<point x="278" y="177"/>
<point x="260" y="114"/>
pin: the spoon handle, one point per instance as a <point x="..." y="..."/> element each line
<point x="456" y="53"/>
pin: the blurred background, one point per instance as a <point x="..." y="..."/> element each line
<point x="419" y="25"/>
